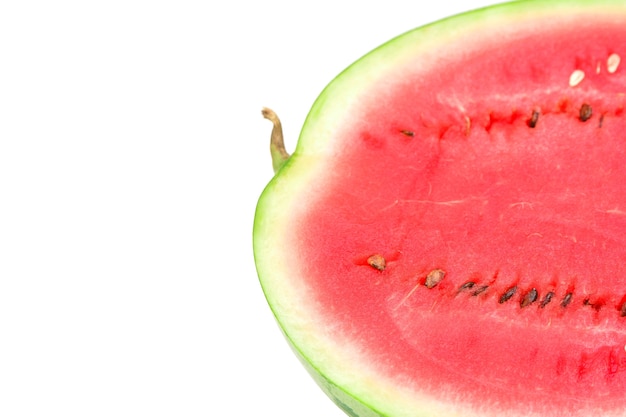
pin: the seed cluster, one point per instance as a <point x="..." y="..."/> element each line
<point x="584" y="114"/>
<point x="531" y="296"/>
<point x="527" y="297"/>
<point x="577" y="77"/>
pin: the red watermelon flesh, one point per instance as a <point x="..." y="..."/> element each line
<point x="453" y="234"/>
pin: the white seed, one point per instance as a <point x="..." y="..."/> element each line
<point x="576" y="77"/>
<point x="612" y="63"/>
<point x="434" y="277"/>
<point x="598" y="67"/>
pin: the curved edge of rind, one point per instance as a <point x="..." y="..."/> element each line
<point x="350" y="404"/>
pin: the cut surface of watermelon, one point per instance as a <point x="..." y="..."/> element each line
<point x="449" y="237"/>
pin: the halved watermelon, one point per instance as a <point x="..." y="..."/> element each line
<point x="449" y="237"/>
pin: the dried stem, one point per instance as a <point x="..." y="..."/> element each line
<point x="277" y="144"/>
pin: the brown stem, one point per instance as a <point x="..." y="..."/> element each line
<point x="277" y="144"/>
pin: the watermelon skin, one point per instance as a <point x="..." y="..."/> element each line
<point x="360" y="341"/>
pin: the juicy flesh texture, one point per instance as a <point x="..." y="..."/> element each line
<point x="444" y="171"/>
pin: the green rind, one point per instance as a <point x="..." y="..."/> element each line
<point x="351" y="405"/>
<point x="281" y="200"/>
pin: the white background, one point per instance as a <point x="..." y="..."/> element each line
<point x="132" y="153"/>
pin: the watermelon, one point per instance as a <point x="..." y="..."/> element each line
<point x="449" y="236"/>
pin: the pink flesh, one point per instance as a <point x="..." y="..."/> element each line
<point x="479" y="194"/>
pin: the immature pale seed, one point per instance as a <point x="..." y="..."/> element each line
<point x="434" y="277"/>
<point x="612" y="63"/>
<point x="576" y="77"/>
<point x="377" y="262"/>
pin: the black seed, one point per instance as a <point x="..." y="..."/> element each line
<point x="377" y="262"/>
<point x="585" y="112"/>
<point x="567" y="299"/>
<point x="529" y="298"/>
<point x="480" y="290"/>
<point x="467" y="286"/>
<point x="596" y="306"/>
<point x="622" y="310"/>
<point x="434" y="277"/>
<point x="532" y="122"/>
<point x="546" y="299"/>
<point x="507" y="295"/>
<point x="408" y="133"/>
